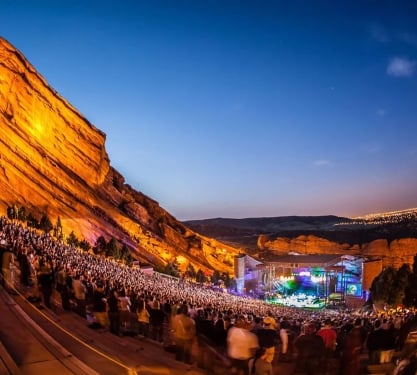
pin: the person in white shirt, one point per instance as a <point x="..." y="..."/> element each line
<point x="241" y="346"/>
<point x="124" y="309"/>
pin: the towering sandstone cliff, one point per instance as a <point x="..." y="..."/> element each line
<point x="393" y="253"/>
<point x="54" y="161"/>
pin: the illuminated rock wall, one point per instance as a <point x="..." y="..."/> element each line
<point x="393" y="254"/>
<point x="54" y="161"/>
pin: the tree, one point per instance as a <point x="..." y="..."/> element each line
<point x="190" y="272"/>
<point x="72" y="239"/>
<point x="10" y="212"/>
<point x="410" y="293"/>
<point x="15" y="211"/>
<point x="125" y="255"/>
<point x="382" y="288"/>
<point x="112" y="249"/>
<point x="84" y="244"/>
<point x="228" y="282"/>
<point x="216" y="277"/>
<point x="31" y="221"/>
<point x="45" y="224"/>
<point x="231" y="283"/>
<point x="200" y="277"/>
<point x="58" y="234"/>
<point x="22" y="214"/>
<point x="100" y="246"/>
<point x="400" y="284"/>
<point x="172" y="268"/>
<point x="128" y="259"/>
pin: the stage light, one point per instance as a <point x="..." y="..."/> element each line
<point x="317" y="279"/>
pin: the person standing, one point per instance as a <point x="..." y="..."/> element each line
<point x="124" y="310"/>
<point x="286" y="338"/>
<point x="113" y="311"/>
<point x="219" y="333"/>
<point x="45" y="281"/>
<point x="143" y="318"/>
<point x="24" y="265"/>
<point x="310" y="349"/>
<point x="100" y="305"/>
<point x="351" y="347"/>
<point x="329" y="336"/>
<point x="241" y="346"/>
<point x="80" y="291"/>
<point x="156" y="321"/>
<point x="259" y="365"/>
<point x="7" y="264"/>
<point x="379" y="341"/>
<point x="63" y="287"/>
<point x="184" y="334"/>
<point x="268" y="338"/>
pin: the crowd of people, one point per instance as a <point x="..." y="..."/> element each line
<point x="253" y="334"/>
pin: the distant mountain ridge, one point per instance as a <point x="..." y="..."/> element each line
<point x="317" y="234"/>
<point x="272" y="223"/>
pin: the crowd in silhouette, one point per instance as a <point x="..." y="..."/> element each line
<point x="253" y="334"/>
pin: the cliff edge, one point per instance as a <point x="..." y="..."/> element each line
<point x="53" y="161"/>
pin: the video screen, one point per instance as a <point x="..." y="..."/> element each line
<point x="354" y="290"/>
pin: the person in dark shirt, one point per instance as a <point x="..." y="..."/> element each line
<point x="24" y="267"/>
<point x="113" y="312"/>
<point x="311" y="351"/>
<point x="360" y="330"/>
<point x="100" y="305"/>
<point x="156" y="322"/>
<point x="268" y="338"/>
<point x="379" y="340"/>
<point x="219" y="332"/>
<point x="45" y="281"/>
<point x="351" y="347"/>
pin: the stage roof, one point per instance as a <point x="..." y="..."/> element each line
<point x="303" y="260"/>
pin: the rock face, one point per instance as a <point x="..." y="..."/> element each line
<point x="394" y="253"/>
<point x="53" y="161"/>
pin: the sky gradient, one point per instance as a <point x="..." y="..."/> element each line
<point x="240" y="108"/>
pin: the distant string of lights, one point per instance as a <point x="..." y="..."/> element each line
<point x="392" y="217"/>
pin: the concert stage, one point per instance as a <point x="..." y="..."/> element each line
<point x="306" y="280"/>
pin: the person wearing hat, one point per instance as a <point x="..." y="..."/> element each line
<point x="272" y="320"/>
<point x="268" y="338"/>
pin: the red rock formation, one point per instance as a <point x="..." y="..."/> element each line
<point x="54" y="161"/>
<point x="394" y="254"/>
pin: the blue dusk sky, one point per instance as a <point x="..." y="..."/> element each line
<point x="240" y="108"/>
